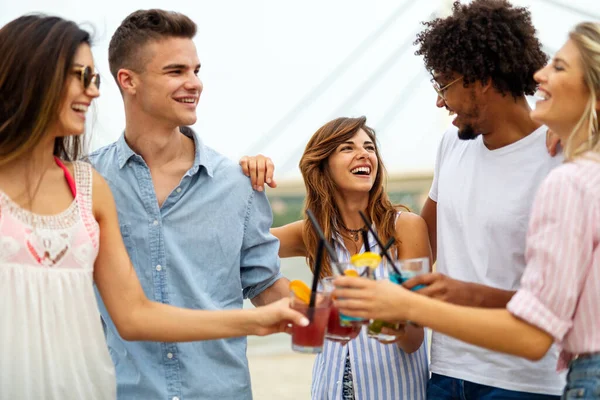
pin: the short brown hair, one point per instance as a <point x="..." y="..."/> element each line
<point x="138" y="29"/>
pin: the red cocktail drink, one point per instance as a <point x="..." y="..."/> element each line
<point x="338" y="332"/>
<point x="310" y="339"/>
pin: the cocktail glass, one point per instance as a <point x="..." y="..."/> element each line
<point x="310" y="339"/>
<point x="408" y="269"/>
<point x="350" y="269"/>
<point x="335" y="331"/>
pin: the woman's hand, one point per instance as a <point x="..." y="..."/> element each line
<point x="260" y="169"/>
<point x="365" y="298"/>
<point x="276" y="317"/>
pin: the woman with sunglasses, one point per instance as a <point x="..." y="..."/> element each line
<point x="59" y="233"/>
<point x="559" y="298"/>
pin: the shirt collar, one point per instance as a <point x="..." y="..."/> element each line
<point x="201" y="157"/>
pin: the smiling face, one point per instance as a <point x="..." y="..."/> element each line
<point x="77" y="99"/>
<point x="353" y="164"/>
<point x="563" y="94"/>
<point x="461" y="102"/>
<point x="168" y="90"/>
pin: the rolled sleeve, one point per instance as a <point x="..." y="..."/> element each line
<point x="259" y="262"/>
<point x="557" y="254"/>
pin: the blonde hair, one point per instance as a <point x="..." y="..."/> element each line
<point x="586" y="36"/>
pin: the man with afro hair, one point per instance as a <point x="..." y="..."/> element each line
<point x="489" y="164"/>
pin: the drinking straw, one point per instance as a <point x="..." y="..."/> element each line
<point x="385" y="253"/>
<point x="365" y="237"/>
<point x="387" y="246"/>
<point x="316" y="275"/>
<point x="382" y="252"/>
<point x="332" y="256"/>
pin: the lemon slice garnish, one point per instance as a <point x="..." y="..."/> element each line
<point x="367" y="259"/>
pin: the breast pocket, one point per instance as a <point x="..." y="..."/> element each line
<point x="128" y="241"/>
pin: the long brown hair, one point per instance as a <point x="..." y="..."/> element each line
<point x="37" y="54"/>
<point x="320" y="188"/>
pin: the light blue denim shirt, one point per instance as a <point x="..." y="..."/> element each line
<point x="208" y="247"/>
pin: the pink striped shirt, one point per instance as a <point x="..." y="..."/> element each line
<point x="560" y="288"/>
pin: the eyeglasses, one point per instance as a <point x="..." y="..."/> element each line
<point x="441" y="90"/>
<point x="87" y="76"/>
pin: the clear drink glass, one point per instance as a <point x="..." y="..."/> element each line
<point x="335" y="331"/>
<point x="310" y="339"/>
<point x="350" y="269"/>
<point x="408" y="269"/>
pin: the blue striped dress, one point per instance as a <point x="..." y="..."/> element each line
<point x="379" y="372"/>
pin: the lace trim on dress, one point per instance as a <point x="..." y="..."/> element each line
<point x="83" y="179"/>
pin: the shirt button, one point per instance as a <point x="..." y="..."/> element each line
<point x="178" y="190"/>
<point x="158" y="267"/>
<point x="169" y="355"/>
<point x="155" y="222"/>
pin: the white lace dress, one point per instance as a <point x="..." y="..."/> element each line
<point x="51" y="340"/>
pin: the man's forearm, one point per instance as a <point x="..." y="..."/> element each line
<point x="278" y="290"/>
<point x="488" y="297"/>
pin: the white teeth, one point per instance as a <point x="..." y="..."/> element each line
<point x="451" y="113"/>
<point x="541" y="95"/>
<point x="79" y="107"/>
<point x="366" y="170"/>
<point x="189" y="100"/>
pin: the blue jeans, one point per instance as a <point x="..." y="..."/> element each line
<point x="442" y="387"/>
<point x="583" y="380"/>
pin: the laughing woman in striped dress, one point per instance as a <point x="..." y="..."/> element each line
<point x="343" y="175"/>
<point x="559" y="298"/>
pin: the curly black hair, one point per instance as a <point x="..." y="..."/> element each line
<point x="486" y="39"/>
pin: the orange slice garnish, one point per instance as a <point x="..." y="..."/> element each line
<point x="351" y="272"/>
<point x="301" y="290"/>
<point x="366" y="259"/>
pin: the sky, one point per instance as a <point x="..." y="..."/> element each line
<point x="274" y="71"/>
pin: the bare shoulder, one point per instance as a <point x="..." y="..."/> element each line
<point x="101" y="194"/>
<point x="411" y="229"/>
<point x="409" y="222"/>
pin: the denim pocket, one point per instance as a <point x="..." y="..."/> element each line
<point x="583" y="380"/>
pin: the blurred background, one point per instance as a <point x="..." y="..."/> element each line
<point x="274" y="71"/>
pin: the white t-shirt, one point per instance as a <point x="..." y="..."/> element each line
<point x="483" y="200"/>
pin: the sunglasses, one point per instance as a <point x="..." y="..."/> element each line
<point x="87" y="76"/>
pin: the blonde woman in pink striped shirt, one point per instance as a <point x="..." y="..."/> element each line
<point x="559" y="298"/>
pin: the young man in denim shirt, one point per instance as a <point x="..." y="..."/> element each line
<point x="196" y="232"/>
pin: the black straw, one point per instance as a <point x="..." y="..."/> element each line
<point x="365" y="237"/>
<point x="385" y="253"/>
<point x="387" y="246"/>
<point x="316" y="274"/>
<point x="332" y="256"/>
